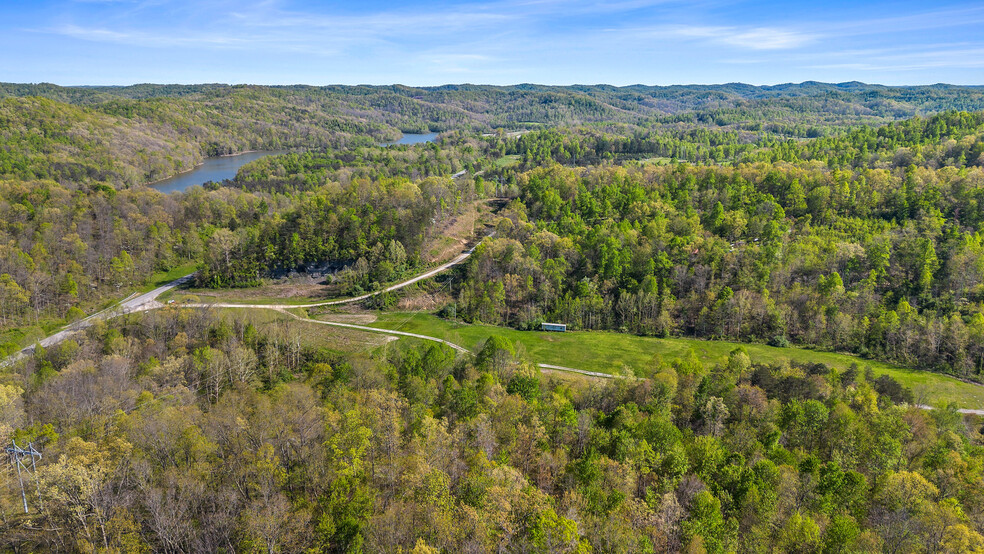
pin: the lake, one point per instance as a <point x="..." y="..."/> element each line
<point x="213" y="169"/>
<point x="225" y="167"/>
<point x="411" y="138"/>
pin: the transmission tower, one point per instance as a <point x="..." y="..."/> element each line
<point x="17" y="456"/>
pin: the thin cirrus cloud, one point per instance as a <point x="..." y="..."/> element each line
<point x="758" y="38"/>
<point x="150" y="39"/>
<point x="969" y="58"/>
<point x="494" y="41"/>
<point x="265" y="28"/>
<point x="464" y="64"/>
<point x="947" y="18"/>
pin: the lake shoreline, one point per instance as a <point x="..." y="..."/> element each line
<point x="214" y="168"/>
<point x="409" y="139"/>
<point x="172" y="183"/>
<point x="196" y="166"/>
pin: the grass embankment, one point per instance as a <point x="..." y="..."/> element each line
<point x="656" y="161"/>
<point x="208" y="296"/>
<point x="609" y="352"/>
<point x="161" y="278"/>
<point x="308" y="334"/>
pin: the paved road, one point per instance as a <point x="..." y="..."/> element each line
<point x="148" y="301"/>
<point x="130" y="304"/>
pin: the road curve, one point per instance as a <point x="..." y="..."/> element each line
<point x="130" y="304"/>
<point x="391" y="332"/>
<point x="426" y="275"/>
<point x="457" y="347"/>
<point x="148" y="301"/>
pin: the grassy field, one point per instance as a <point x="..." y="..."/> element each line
<point x="162" y="278"/>
<point x="655" y="161"/>
<point x="16" y="338"/>
<point x="608" y="352"/>
<point x="310" y="334"/>
<point x="507" y="161"/>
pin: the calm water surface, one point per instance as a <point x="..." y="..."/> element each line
<point x="214" y="169"/>
<point x="220" y="169"/>
<point x="413" y="139"/>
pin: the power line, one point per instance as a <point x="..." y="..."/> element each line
<point x="17" y="456"/>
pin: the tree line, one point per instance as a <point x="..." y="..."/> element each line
<point x="880" y="260"/>
<point x="182" y="430"/>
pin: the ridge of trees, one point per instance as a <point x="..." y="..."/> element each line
<point x="125" y="136"/>
<point x="850" y="245"/>
<point x="181" y="430"/>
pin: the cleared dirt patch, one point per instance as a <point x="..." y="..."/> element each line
<point x="269" y="290"/>
<point x="423" y="302"/>
<point x="358" y="319"/>
<point x="451" y="236"/>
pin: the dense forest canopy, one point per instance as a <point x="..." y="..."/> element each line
<point x="183" y="431"/>
<point x="131" y="135"/>
<point x="869" y="242"/>
<point x="843" y="217"/>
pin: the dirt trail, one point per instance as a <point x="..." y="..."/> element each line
<point x="148" y="301"/>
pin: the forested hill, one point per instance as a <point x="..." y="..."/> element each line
<point x="125" y="136"/>
<point x="683" y="212"/>
<point x="127" y="142"/>
<point x="645" y="100"/>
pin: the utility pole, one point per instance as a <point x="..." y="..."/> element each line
<point x="454" y="302"/>
<point x="17" y="455"/>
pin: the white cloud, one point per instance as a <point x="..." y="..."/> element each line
<point x="266" y="26"/>
<point x="141" y="38"/>
<point x="925" y="21"/>
<point x="910" y="60"/>
<point x="751" y="38"/>
<point x="765" y="38"/>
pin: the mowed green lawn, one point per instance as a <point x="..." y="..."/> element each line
<point x="162" y="278"/>
<point x="610" y="352"/>
<point x="508" y="160"/>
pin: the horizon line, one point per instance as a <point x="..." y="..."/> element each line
<point x="570" y="85"/>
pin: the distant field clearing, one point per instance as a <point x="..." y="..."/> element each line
<point x="609" y="352"/>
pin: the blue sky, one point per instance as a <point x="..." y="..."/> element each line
<point x="420" y="42"/>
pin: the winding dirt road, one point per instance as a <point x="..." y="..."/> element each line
<point x="457" y="347"/>
<point x="425" y="275"/>
<point x="148" y="301"/>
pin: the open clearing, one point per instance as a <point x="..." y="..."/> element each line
<point x="508" y="160"/>
<point x="309" y="334"/>
<point x="610" y="352"/>
<point x="452" y="235"/>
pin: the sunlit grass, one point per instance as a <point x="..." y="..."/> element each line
<point x="609" y="352"/>
<point x="162" y="278"/>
